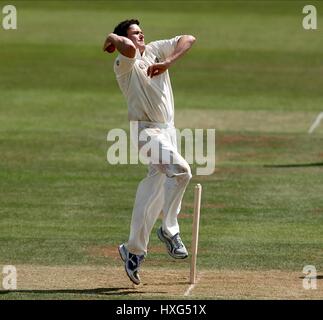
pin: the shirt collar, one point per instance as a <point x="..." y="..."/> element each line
<point x="138" y="55"/>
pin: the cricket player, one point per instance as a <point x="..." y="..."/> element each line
<point x="142" y="74"/>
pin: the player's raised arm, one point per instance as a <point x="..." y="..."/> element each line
<point x="183" y="45"/>
<point x="124" y="45"/>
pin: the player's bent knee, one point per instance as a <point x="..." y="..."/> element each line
<point x="188" y="174"/>
<point x="185" y="177"/>
<point x="179" y="174"/>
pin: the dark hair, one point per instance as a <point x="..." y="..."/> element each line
<point x="122" y="27"/>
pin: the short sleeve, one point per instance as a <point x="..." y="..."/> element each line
<point x="165" y="47"/>
<point x="123" y="65"/>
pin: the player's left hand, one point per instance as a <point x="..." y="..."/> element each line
<point x="157" y="69"/>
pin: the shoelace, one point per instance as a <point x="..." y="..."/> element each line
<point x="135" y="260"/>
<point x="178" y="241"/>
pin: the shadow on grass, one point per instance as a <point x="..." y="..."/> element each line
<point x="96" y="291"/>
<point x="318" y="277"/>
<point x="299" y="165"/>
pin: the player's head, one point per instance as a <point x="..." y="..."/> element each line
<point x="130" y="29"/>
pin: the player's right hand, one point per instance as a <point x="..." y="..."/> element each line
<point x="108" y="46"/>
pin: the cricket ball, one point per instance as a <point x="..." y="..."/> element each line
<point x="111" y="48"/>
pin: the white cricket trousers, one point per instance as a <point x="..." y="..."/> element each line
<point x="162" y="190"/>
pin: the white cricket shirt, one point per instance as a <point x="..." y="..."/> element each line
<point x="148" y="99"/>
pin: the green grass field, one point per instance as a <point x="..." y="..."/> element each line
<point x="254" y="74"/>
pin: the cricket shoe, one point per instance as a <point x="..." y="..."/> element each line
<point x="174" y="244"/>
<point x="132" y="263"/>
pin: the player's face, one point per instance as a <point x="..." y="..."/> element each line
<point x="136" y="35"/>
